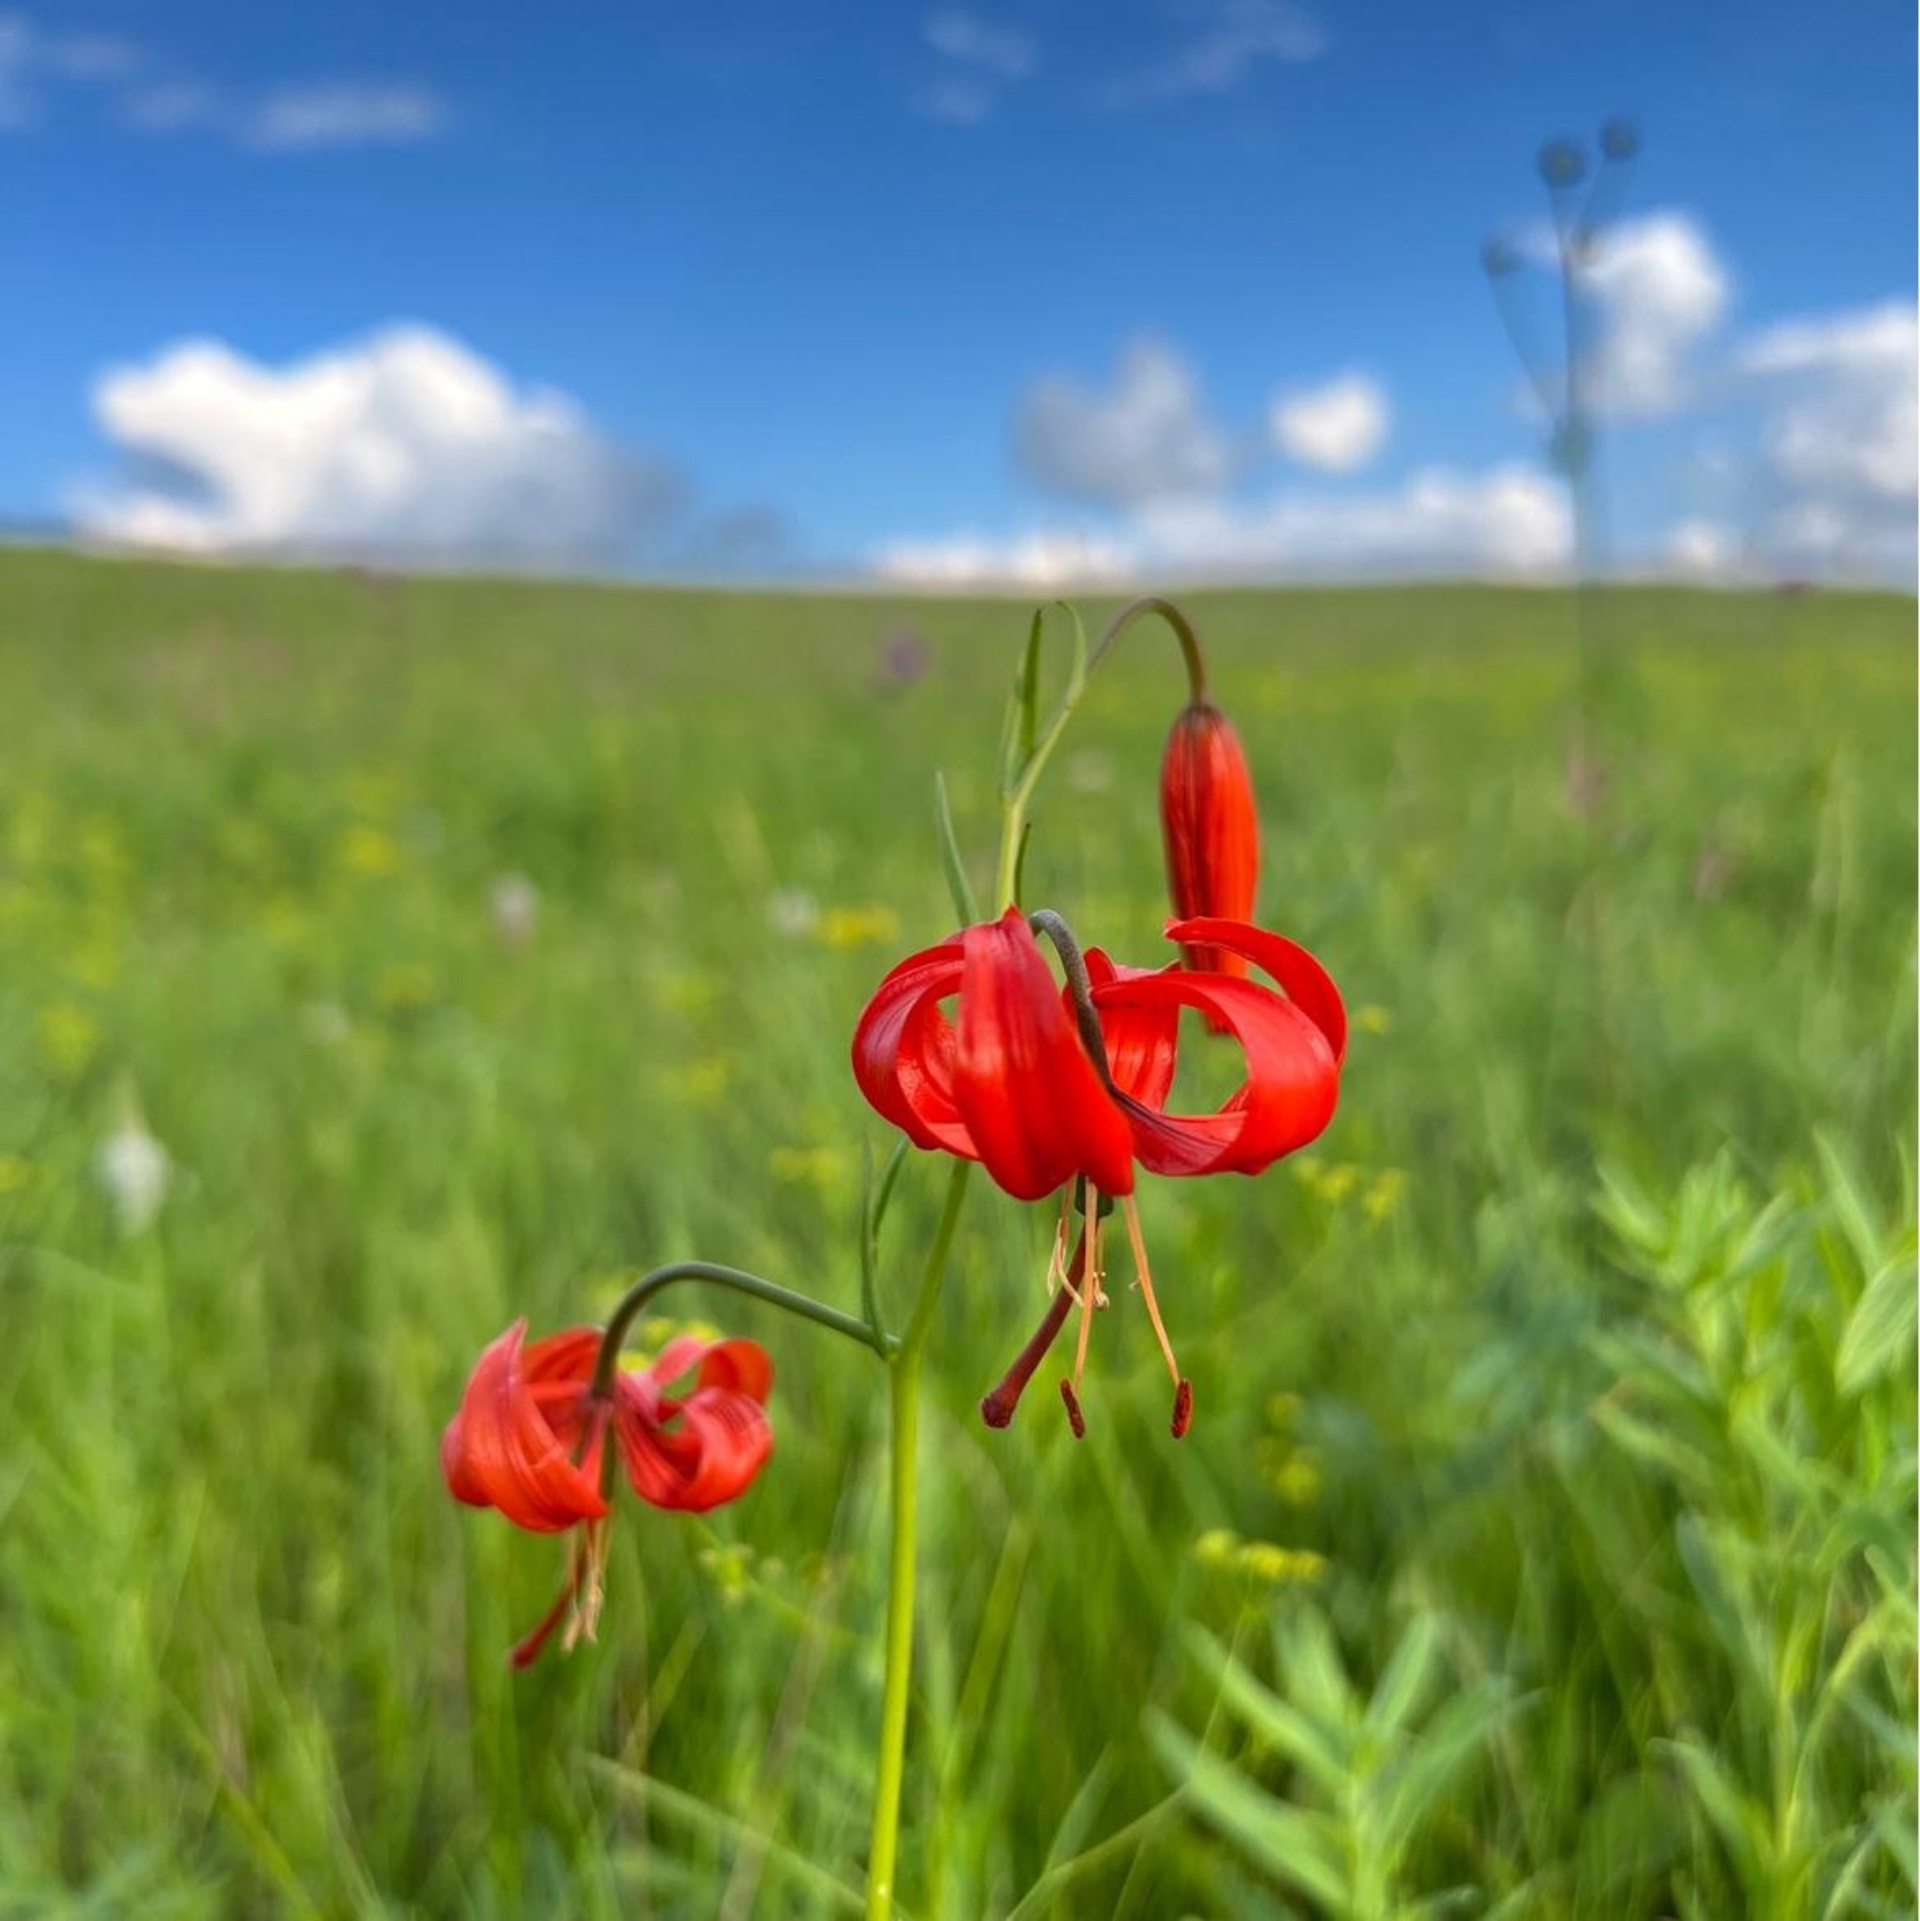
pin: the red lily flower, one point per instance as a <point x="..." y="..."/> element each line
<point x="1211" y="829"/>
<point x="1009" y="1083"/>
<point x="530" y="1440"/>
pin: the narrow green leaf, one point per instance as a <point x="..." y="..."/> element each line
<point x="1410" y="1671"/>
<point x="1289" y="1843"/>
<point x="959" y="889"/>
<point x="1273" y="1720"/>
<point x="1851" y="1206"/>
<point x="1457" y="1737"/>
<point x="1739" y="1825"/>
<point x="1316" y="1676"/>
<point x="1880" y="1330"/>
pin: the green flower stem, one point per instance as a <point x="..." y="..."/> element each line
<point x="884" y="1854"/>
<point x="1182" y="632"/>
<point x="648" y="1285"/>
<point x="1019" y="794"/>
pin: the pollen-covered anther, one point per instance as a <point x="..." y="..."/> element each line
<point x="1182" y="1409"/>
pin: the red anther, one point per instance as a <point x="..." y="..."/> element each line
<point x="997" y="1408"/>
<point x="1182" y="1408"/>
<point x="1075" y="1419"/>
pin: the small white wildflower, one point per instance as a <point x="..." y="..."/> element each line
<point x="793" y="912"/>
<point x="136" y="1172"/>
<point x="514" y="906"/>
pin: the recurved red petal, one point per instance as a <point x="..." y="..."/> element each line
<point x="504" y="1448"/>
<point x="694" y="1454"/>
<point x="1031" y="1099"/>
<point x="1293" y="1044"/>
<point x="1308" y="985"/>
<point x="903" y="1050"/>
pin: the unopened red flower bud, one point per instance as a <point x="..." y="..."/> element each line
<point x="1211" y="828"/>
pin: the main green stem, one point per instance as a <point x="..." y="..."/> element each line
<point x="903" y="1483"/>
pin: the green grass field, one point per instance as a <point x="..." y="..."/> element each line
<point x="1545" y="1542"/>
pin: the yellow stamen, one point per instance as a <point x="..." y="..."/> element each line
<point x="1089" y="1284"/>
<point x="1145" y="1283"/>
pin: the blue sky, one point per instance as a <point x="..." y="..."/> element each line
<point x="957" y="292"/>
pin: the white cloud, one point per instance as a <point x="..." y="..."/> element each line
<point x="1039" y="562"/>
<point x="1660" y="293"/>
<point x="403" y="444"/>
<point x="343" y="114"/>
<point x="1337" y="427"/>
<point x="978" y="59"/>
<point x="1146" y="438"/>
<point x="1234" y="38"/>
<point x="1508" y="522"/>
<point x="1840" y="439"/>
<point x="151" y="94"/>
<point x="1846" y="386"/>
<point x="967" y="39"/>
<point x="1703" y="550"/>
<point x="17" y="105"/>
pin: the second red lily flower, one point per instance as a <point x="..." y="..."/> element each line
<point x="530" y="1440"/>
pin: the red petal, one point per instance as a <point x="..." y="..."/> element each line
<point x="721" y="1441"/>
<point x="1141" y="1042"/>
<point x="1293" y="1076"/>
<point x="1308" y="985"/>
<point x="502" y="1450"/>
<point x="1022" y="1081"/>
<point x="903" y="1050"/>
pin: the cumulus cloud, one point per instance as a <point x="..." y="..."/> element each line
<point x="1337" y="427"/>
<point x="1146" y="437"/>
<point x="1660" y="293"/>
<point x="1510" y="521"/>
<point x="1232" y="38"/>
<point x="1840" y="437"/>
<point x="406" y="444"/>
<point x="978" y="60"/>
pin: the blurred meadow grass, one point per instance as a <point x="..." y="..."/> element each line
<point x="1545" y="1541"/>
